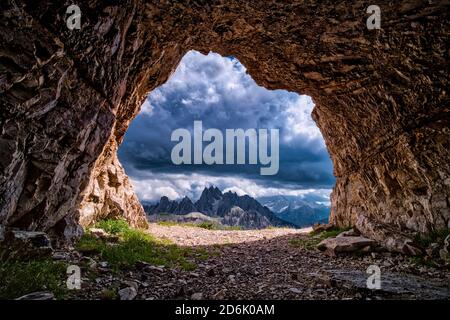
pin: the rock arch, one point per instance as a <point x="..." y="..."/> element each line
<point x="67" y="97"/>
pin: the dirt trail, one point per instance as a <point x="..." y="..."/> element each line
<point x="271" y="264"/>
<point x="266" y="264"/>
<point x="191" y="236"/>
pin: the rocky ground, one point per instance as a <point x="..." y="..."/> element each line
<point x="263" y="264"/>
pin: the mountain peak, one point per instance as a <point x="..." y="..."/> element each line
<point x="212" y="191"/>
<point x="229" y="207"/>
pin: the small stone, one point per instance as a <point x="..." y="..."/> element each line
<point x="348" y="233"/>
<point x="132" y="284"/>
<point x="60" y="256"/>
<point x="325" y="279"/>
<point x="28" y="243"/>
<point x="197" y="296"/>
<point x="140" y="265"/>
<point x="387" y="263"/>
<point x="42" y="295"/>
<point x="295" y="290"/>
<point x="447" y="244"/>
<point x="98" y="233"/>
<point x="153" y="268"/>
<point x="128" y="293"/>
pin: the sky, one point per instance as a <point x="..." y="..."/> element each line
<point x="218" y="91"/>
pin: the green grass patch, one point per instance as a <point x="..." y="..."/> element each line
<point x="137" y="245"/>
<point x="113" y="226"/>
<point x="329" y="233"/>
<point x="22" y="277"/>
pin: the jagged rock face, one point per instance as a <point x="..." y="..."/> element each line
<point x="67" y="98"/>
<point x="249" y="219"/>
<point x="110" y="194"/>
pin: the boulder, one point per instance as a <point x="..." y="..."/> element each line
<point x="334" y="246"/>
<point x="26" y="244"/>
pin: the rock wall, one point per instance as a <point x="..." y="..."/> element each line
<point x="68" y="96"/>
<point x="109" y="193"/>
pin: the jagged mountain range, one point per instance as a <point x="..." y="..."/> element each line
<point x="230" y="208"/>
<point x="245" y="211"/>
<point x="300" y="211"/>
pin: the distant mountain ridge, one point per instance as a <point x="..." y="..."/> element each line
<point x="230" y="208"/>
<point x="300" y="211"/>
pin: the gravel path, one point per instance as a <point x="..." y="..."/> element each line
<point x="191" y="236"/>
<point x="264" y="264"/>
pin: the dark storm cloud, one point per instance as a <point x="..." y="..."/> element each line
<point x="219" y="92"/>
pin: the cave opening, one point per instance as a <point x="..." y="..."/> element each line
<point x="218" y="92"/>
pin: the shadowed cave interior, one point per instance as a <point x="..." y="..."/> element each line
<point x="380" y="104"/>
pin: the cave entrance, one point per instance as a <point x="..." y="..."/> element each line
<point x="381" y="102"/>
<point x="218" y="93"/>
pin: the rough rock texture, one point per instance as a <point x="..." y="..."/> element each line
<point x="334" y="246"/>
<point x="67" y="98"/>
<point x="18" y="244"/>
<point x="387" y="236"/>
<point x="110" y="194"/>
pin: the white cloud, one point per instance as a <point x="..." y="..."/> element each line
<point x="299" y="121"/>
<point x="219" y="92"/>
<point x="152" y="186"/>
<point x="147" y="107"/>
